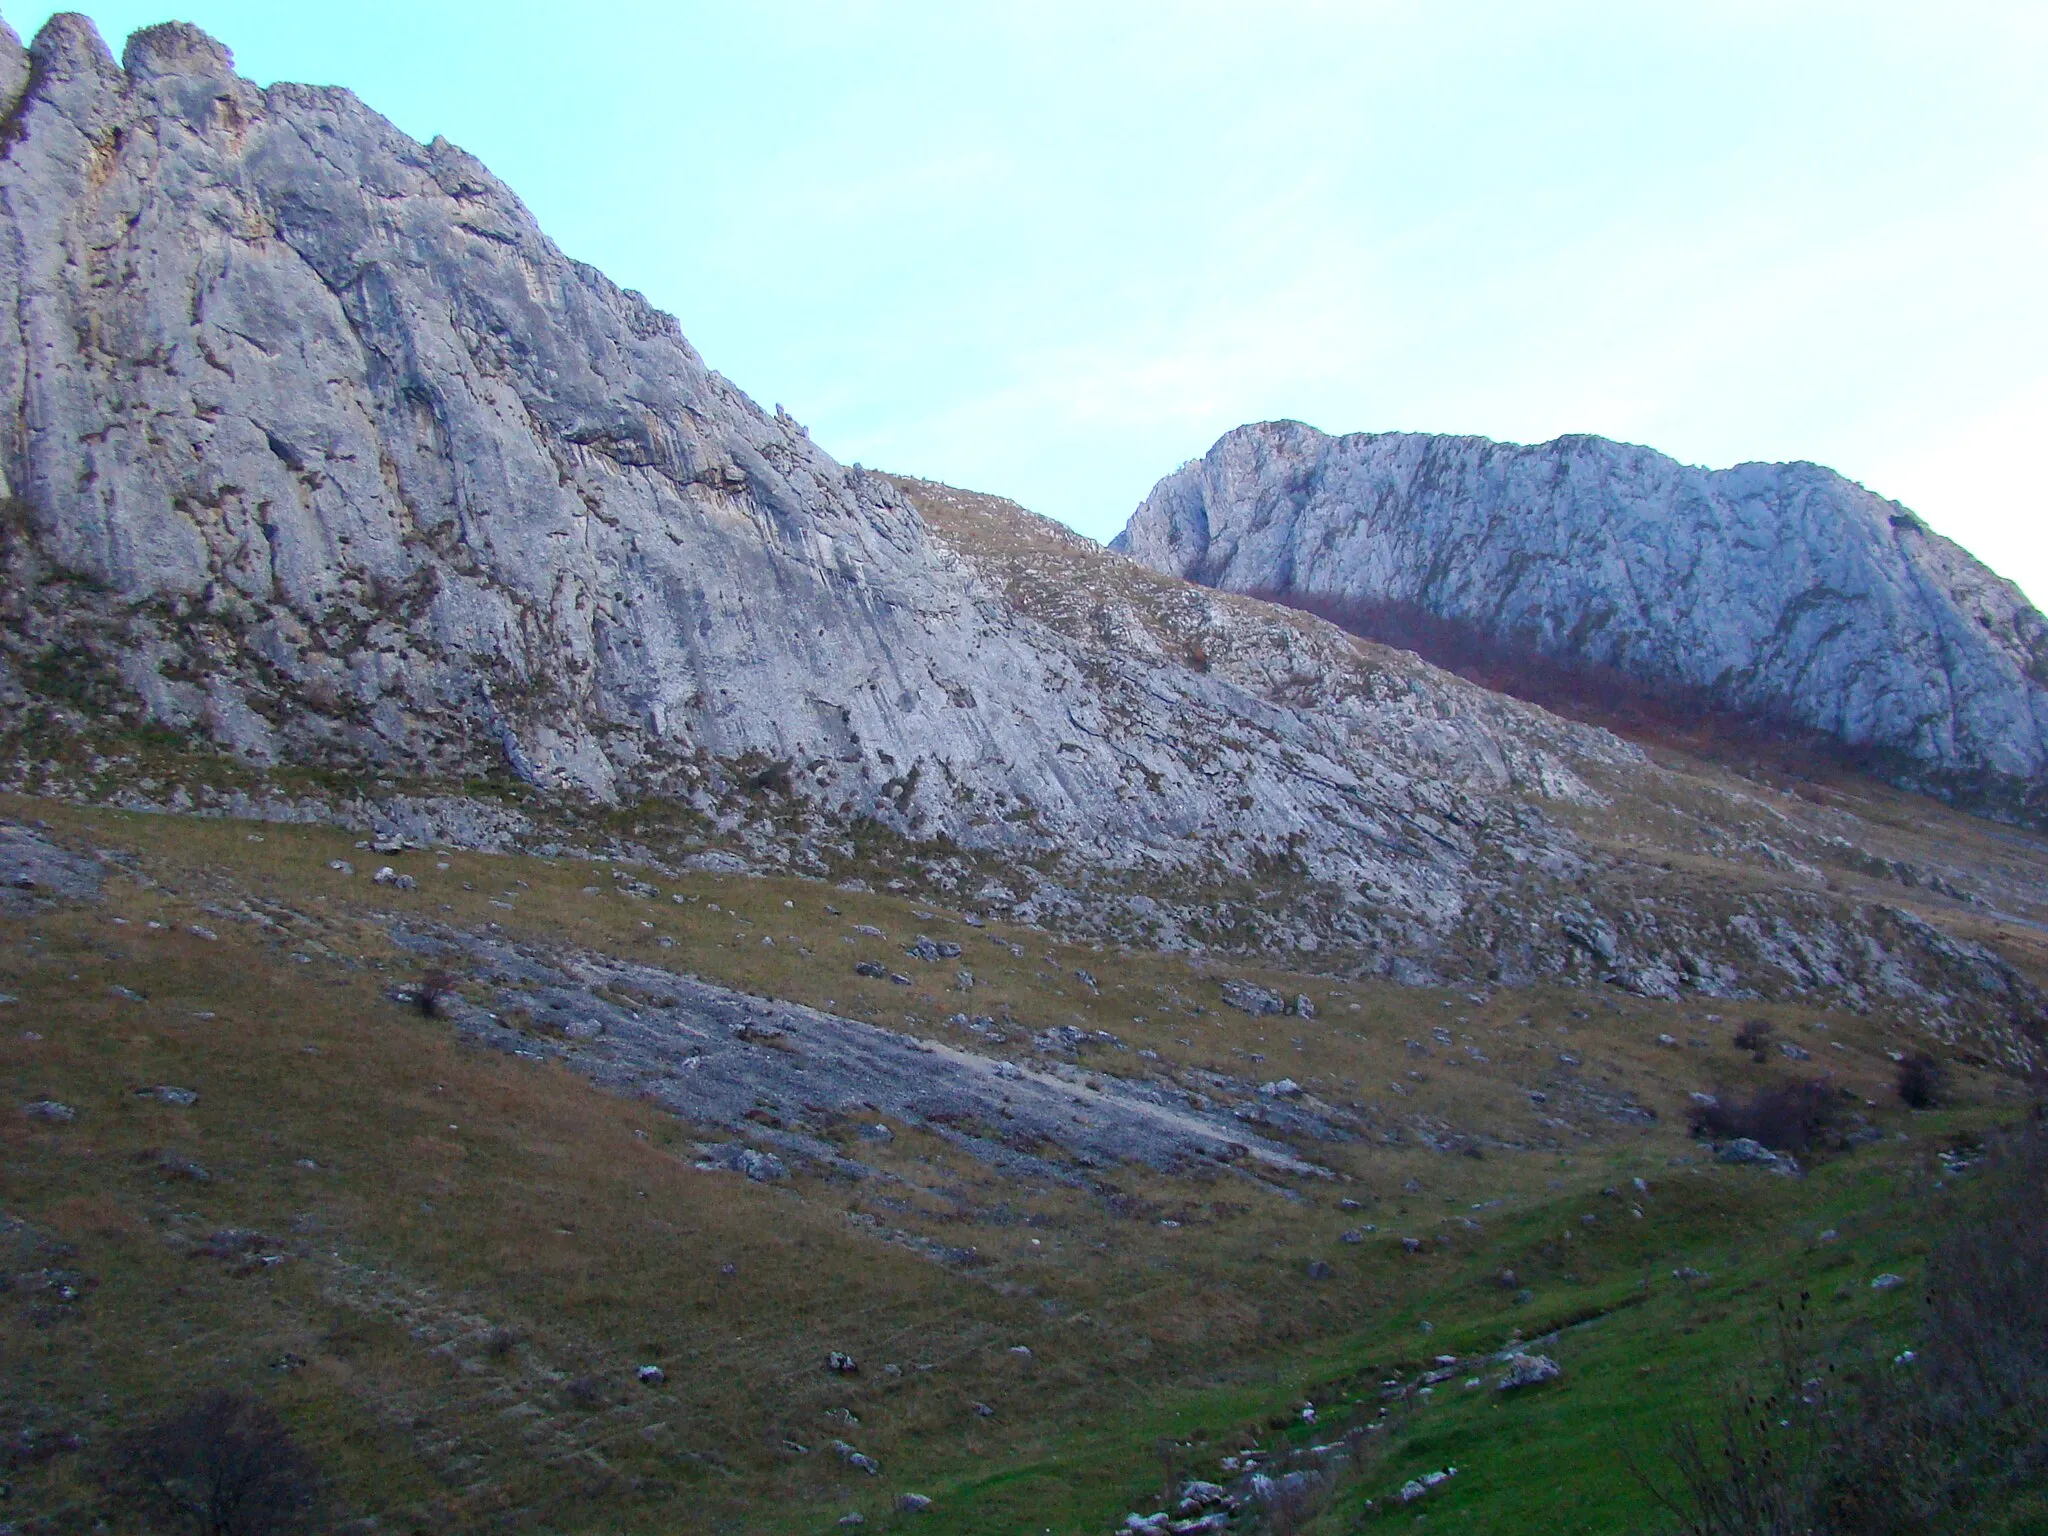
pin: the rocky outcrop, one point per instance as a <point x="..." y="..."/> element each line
<point x="1781" y="590"/>
<point x="318" y="449"/>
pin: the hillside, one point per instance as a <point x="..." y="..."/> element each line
<point x="445" y="1243"/>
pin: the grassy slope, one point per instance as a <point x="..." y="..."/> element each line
<point x="484" y="1247"/>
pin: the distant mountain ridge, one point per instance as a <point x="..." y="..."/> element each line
<point x="1784" y="591"/>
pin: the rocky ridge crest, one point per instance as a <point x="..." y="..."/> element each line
<point x="1783" y="591"/>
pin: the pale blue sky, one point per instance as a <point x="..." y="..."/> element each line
<point x="1052" y="249"/>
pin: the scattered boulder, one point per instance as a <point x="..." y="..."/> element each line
<point x="913" y="1503"/>
<point x="1196" y="1496"/>
<point x="50" y="1110"/>
<point x="857" y="1459"/>
<point x="1887" y="1282"/>
<point x="1304" y="1007"/>
<point x="737" y="1157"/>
<point x="841" y="1363"/>
<point x="1417" y="1487"/>
<point x="1250" y="997"/>
<point x="164" y="1093"/>
<point x="870" y="968"/>
<point x="651" y="1375"/>
<point x="341" y="867"/>
<point x="1528" y="1371"/>
<point x="1283" y="1088"/>
<point x="930" y="949"/>
<point x="1744" y="1152"/>
<point x="175" y="1165"/>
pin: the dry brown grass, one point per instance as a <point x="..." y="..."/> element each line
<point x="485" y="1247"/>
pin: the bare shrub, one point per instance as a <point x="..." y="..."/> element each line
<point x="437" y="994"/>
<point x="1922" y="1080"/>
<point x="1851" y="1441"/>
<point x="585" y="1392"/>
<point x="1786" y="1117"/>
<point x="1986" y="1351"/>
<point x="1755" y="1038"/>
<point x="223" y="1465"/>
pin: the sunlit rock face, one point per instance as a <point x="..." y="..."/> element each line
<point x="318" y="447"/>
<point x="1782" y="590"/>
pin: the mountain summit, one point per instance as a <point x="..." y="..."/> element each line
<point x="1782" y="591"/>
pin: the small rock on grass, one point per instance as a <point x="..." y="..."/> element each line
<point x="50" y="1110"/>
<point x="1416" y="1487"/>
<point x="1528" y="1371"/>
<point x="1745" y="1152"/>
<point x="913" y="1503"/>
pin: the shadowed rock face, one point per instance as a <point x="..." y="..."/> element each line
<point x="316" y="446"/>
<point x="1781" y="590"/>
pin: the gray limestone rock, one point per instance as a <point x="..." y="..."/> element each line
<point x="1781" y="590"/>
<point x="1527" y="1371"/>
<point x="325" y="453"/>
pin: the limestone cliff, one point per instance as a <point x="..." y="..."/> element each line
<point x="1780" y="590"/>
<point x="318" y="448"/>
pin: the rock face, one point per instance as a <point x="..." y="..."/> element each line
<point x="316" y="454"/>
<point x="1780" y="590"/>
<point x="321" y="450"/>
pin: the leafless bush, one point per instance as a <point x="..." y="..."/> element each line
<point x="1922" y="1081"/>
<point x="1853" y="1441"/>
<point x="585" y="1392"/>
<point x="1791" y="1116"/>
<point x="223" y="1465"/>
<point x="436" y="994"/>
<point x="1755" y="1038"/>
<point x="1986" y="1355"/>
